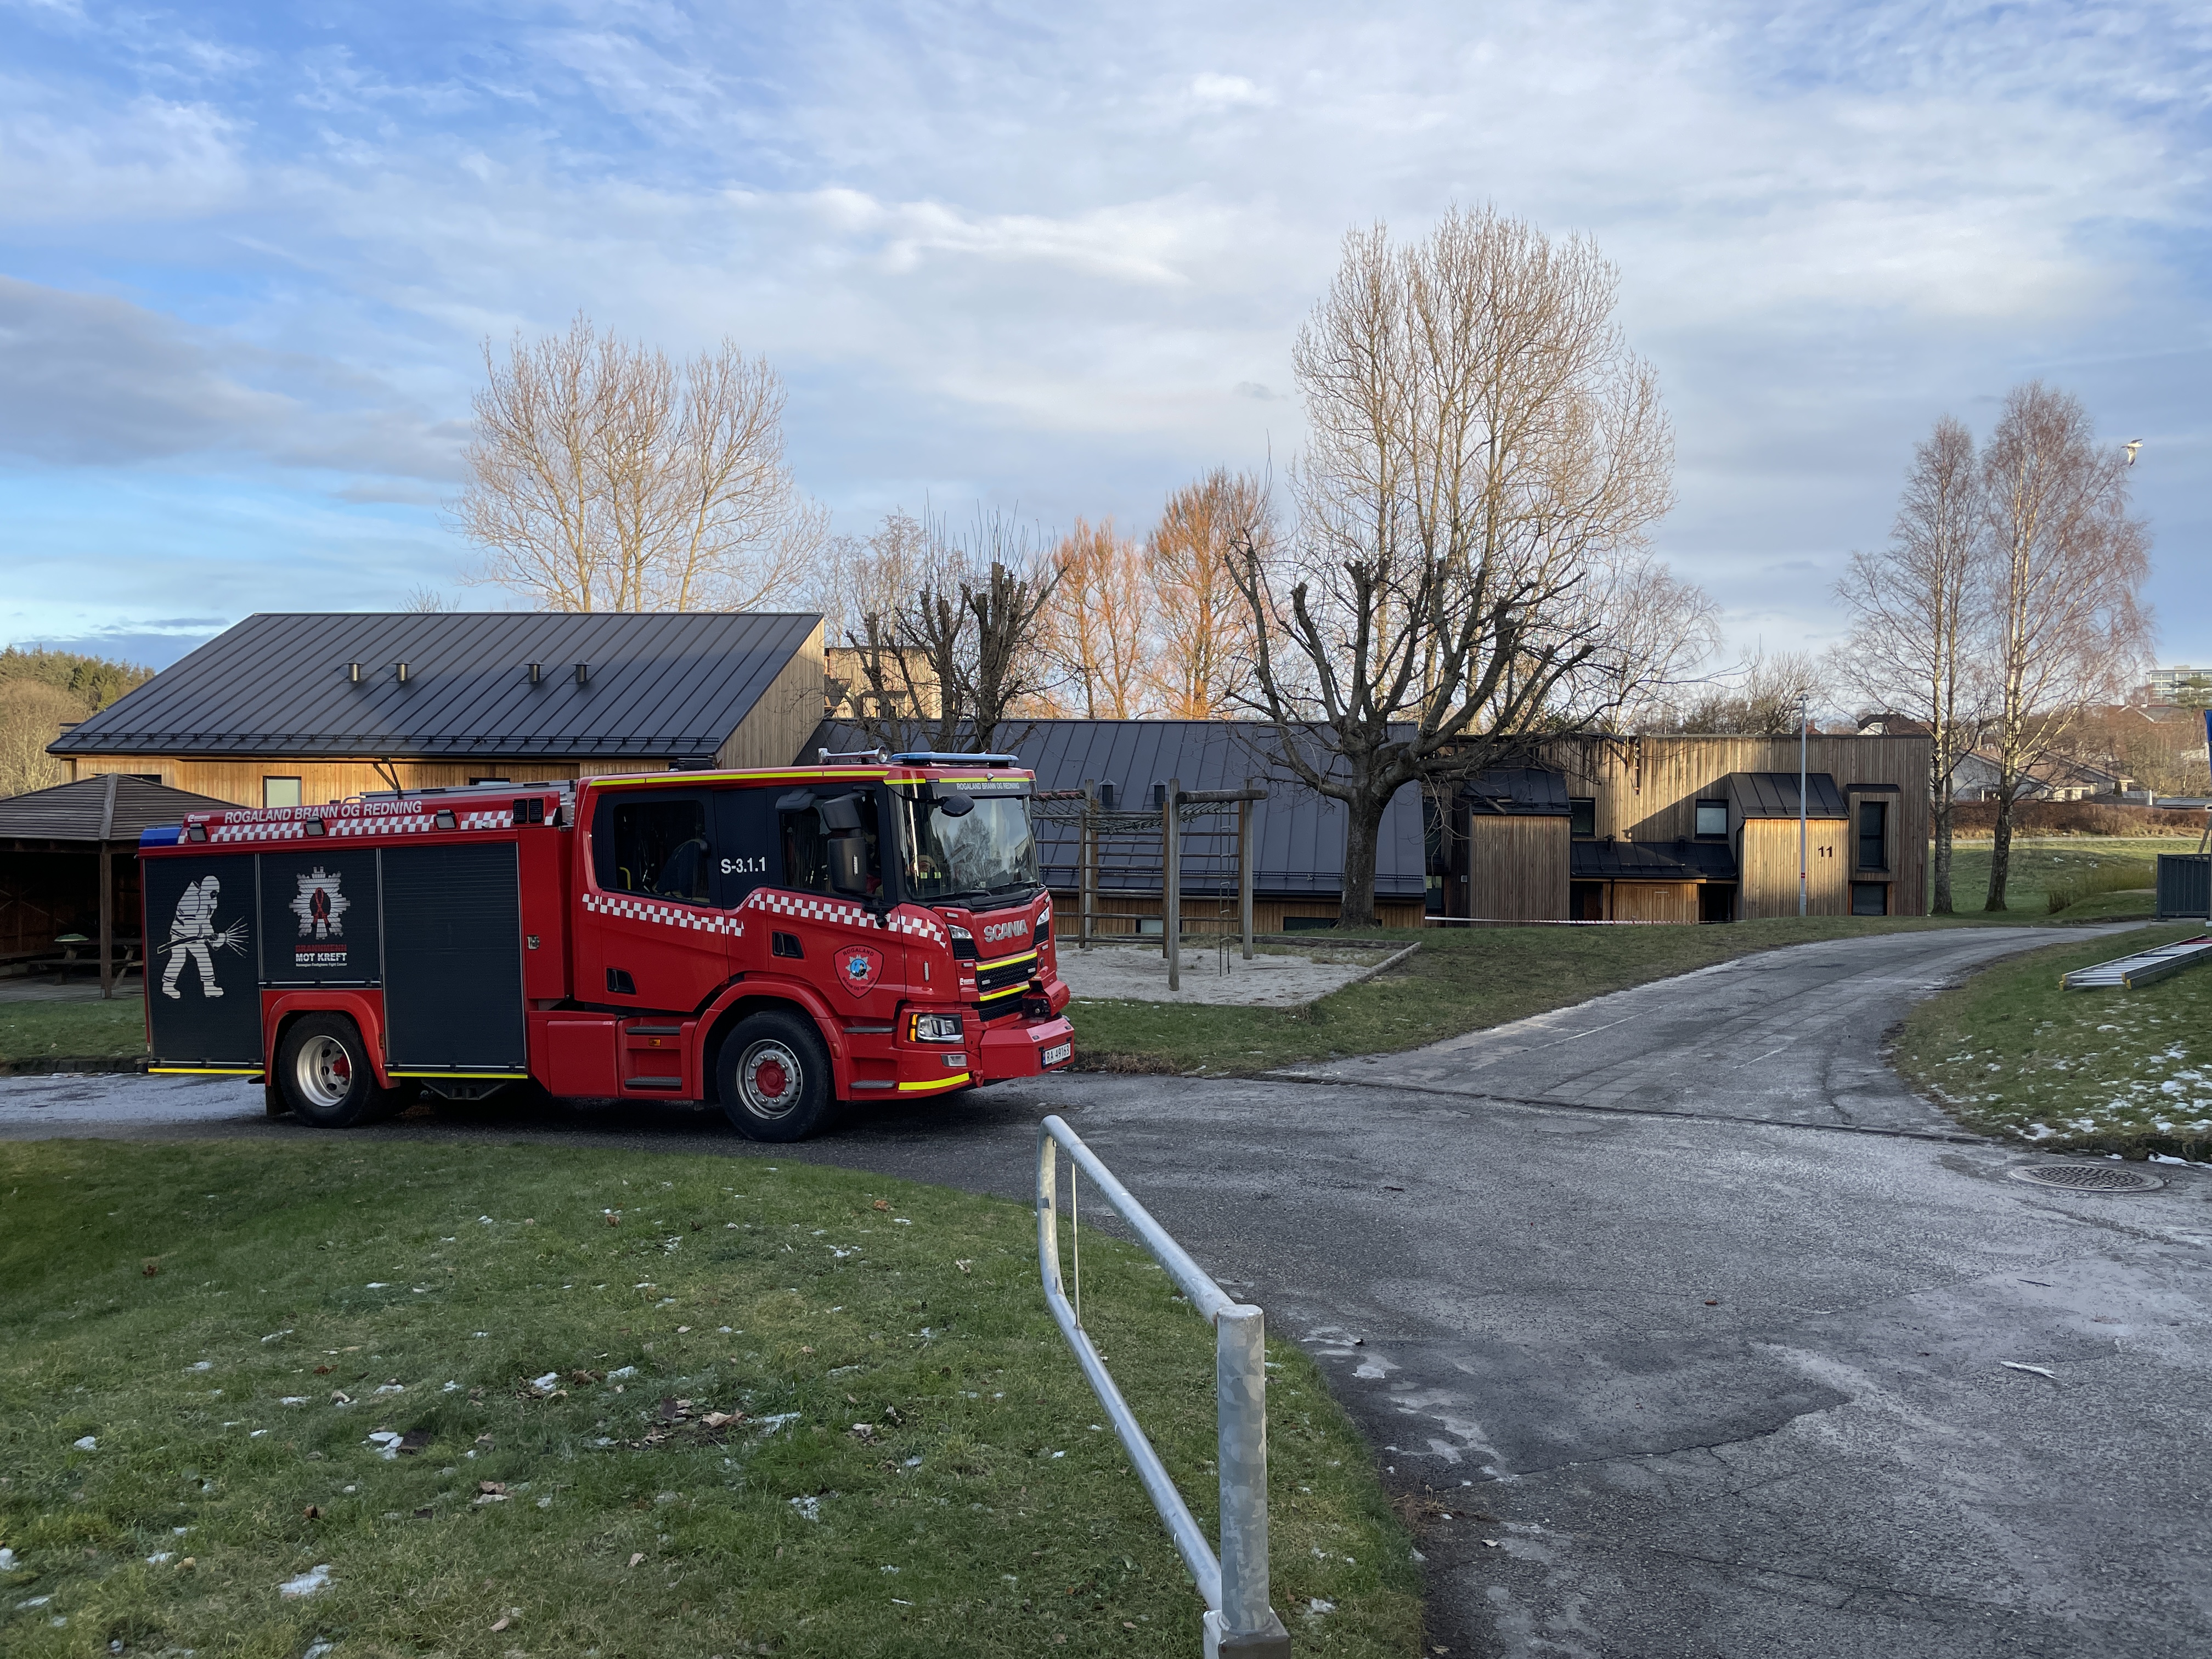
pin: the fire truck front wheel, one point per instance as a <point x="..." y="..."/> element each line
<point x="324" y="1073"/>
<point x="774" y="1078"/>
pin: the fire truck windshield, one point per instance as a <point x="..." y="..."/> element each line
<point x="984" y="854"/>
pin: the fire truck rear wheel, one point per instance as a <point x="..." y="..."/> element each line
<point x="774" y="1078"/>
<point x="323" y="1073"/>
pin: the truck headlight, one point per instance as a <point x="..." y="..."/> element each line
<point x="936" y="1028"/>
<point x="963" y="942"/>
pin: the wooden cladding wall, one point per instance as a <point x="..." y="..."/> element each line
<point x="780" y="722"/>
<point x="240" y="781"/>
<point x="1654" y="901"/>
<point x="1517" y="868"/>
<point x="1647" y="789"/>
<point x="1768" y="861"/>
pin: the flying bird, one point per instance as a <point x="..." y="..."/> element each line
<point x="2132" y="445"/>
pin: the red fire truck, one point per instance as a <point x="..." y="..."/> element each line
<point x="870" y="928"/>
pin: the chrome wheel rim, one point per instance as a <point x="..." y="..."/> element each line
<point x="771" y="1079"/>
<point x="323" y="1071"/>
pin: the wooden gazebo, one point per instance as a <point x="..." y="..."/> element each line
<point x="58" y="872"/>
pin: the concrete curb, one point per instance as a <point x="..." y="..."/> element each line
<point x="113" y="1066"/>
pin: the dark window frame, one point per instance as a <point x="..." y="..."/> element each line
<point x="1879" y="837"/>
<point x="1581" y="818"/>
<point x="1877" y="890"/>
<point x="1698" y="810"/>
<point x="299" y="789"/>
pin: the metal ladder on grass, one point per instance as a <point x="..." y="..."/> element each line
<point x="2143" y="967"/>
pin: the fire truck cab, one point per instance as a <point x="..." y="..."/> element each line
<point x="873" y="927"/>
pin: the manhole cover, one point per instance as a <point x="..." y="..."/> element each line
<point x="2088" y="1177"/>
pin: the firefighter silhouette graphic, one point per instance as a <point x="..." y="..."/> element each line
<point x="193" y="934"/>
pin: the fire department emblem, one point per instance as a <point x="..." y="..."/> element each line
<point x="321" y="906"/>
<point x="859" y="967"/>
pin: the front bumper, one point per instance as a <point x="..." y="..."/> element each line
<point x="1015" y="1049"/>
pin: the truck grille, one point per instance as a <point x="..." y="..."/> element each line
<point x="1005" y="978"/>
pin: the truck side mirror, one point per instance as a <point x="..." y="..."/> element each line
<point x="848" y="866"/>
<point x="841" y="814"/>
<point x="956" y="806"/>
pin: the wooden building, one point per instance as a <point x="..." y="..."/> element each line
<point x="287" y="709"/>
<point x="1689" y="828"/>
<point x="69" y="872"/>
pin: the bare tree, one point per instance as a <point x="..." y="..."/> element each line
<point x="1097" y="628"/>
<point x="1917" y="621"/>
<point x="32" y="716"/>
<point x="1481" y="439"/>
<point x="1658" y="630"/>
<point x="604" y="477"/>
<point x="969" y="628"/>
<point x="1202" y="667"/>
<point x="2064" y="564"/>
<point x="1763" y="699"/>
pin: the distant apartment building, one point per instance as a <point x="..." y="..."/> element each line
<point x="2161" y="686"/>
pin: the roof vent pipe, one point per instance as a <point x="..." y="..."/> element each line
<point x="353" y="672"/>
<point x="583" y="673"/>
<point x="537" y="672"/>
<point x="402" y="668"/>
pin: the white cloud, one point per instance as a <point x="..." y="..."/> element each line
<point x="1226" y="92"/>
<point x="1043" y="259"/>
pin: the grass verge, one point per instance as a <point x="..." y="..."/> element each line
<point x="206" y="1342"/>
<point x="2010" y="1054"/>
<point x="73" y="1030"/>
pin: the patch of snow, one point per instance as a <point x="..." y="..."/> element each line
<point x="307" y="1583"/>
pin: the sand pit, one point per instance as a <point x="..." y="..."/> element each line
<point x="1138" y="973"/>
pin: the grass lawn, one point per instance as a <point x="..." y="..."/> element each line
<point x="73" y="1030"/>
<point x="2010" y="1054"/>
<point x="2037" y="865"/>
<point x="204" y="1343"/>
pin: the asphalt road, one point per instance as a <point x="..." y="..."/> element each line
<point x="1689" y="1314"/>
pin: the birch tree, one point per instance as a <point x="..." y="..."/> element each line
<point x="605" y="477"/>
<point x="1917" y="619"/>
<point x="1482" y="441"/>
<point x="2063" y="563"/>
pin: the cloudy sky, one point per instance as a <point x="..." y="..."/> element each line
<point x="1047" y="257"/>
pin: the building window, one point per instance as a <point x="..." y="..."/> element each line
<point x="1873" y="833"/>
<point x="1712" y="818"/>
<point x="1581" y="818"/>
<point x="280" y="792"/>
<point x="1869" y="898"/>
<point x="473" y="782"/>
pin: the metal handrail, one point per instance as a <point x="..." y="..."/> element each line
<point x="1234" y="1585"/>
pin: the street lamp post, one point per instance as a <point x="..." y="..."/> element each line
<point x="1804" y="724"/>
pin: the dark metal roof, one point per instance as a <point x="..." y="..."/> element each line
<point x="1652" y="860"/>
<point x="1774" y="795"/>
<point x="1298" y="835"/>
<point x="1521" y="791"/>
<point x="93" y="809"/>
<point x="664" y="686"/>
